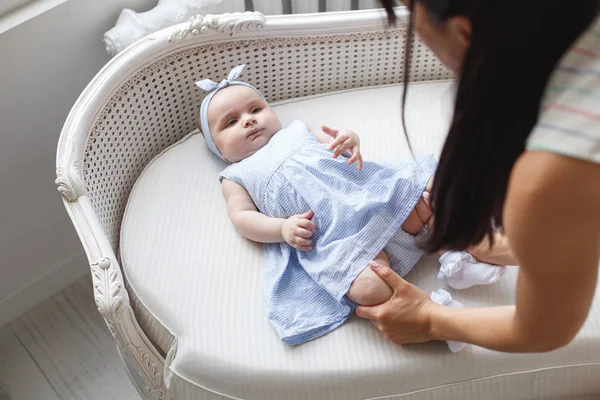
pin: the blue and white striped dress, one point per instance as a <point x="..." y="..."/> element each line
<point x="357" y="214"/>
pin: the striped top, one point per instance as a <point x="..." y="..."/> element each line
<point x="569" y="120"/>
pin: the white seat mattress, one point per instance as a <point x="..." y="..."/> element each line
<point x="196" y="285"/>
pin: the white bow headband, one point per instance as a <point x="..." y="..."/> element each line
<point x="213" y="88"/>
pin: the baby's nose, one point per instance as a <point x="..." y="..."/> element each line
<point x="249" y="121"/>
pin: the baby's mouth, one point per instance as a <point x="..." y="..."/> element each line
<point x="253" y="133"/>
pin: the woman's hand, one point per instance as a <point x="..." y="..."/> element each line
<point x="406" y="316"/>
<point x="345" y="142"/>
<point x="297" y="229"/>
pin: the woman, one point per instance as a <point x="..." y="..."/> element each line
<point x="526" y="133"/>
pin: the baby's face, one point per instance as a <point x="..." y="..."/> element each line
<point x="240" y="122"/>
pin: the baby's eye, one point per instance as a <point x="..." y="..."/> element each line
<point x="231" y="122"/>
<point x="255" y="110"/>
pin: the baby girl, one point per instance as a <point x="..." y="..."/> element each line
<point x="323" y="219"/>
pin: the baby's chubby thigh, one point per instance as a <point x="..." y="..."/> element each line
<point x="368" y="289"/>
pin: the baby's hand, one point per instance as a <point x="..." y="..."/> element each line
<point x="297" y="230"/>
<point x="347" y="143"/>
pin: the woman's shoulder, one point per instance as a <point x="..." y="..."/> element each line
<point x="569" y="121"/>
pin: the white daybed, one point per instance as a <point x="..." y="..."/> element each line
<point x="181" y="290"/>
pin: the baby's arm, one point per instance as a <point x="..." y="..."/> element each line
<point x="244" y="215"/>
<point x="253" y="225"/>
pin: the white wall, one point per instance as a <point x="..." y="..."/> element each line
<point x="44" y="64"/>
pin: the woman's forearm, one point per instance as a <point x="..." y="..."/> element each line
<point x="258" y="227"/>
<point x="495" y="328"/>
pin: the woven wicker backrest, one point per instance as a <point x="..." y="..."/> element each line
<point x="157" y="105"/>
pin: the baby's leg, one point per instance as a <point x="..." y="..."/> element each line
<point x="368" y="289"/>
<point x="421" y="214"/>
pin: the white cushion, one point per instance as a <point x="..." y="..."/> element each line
<point x="197" y="285"/>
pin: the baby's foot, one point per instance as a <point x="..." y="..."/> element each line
<point x="461" y="270"/>
<point x="444" y="298"/>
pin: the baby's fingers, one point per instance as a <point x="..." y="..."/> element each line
<point x="329" y="131"/>
<point x="304" y="233"/>
<point x="302" y="242"/>
<point x="355" y="154"/>
<point x="344" y="146"/>
<point x="307" y="224"/>
<point x="337" y="141"/>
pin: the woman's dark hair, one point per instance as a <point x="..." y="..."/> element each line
<point x="514" y="48"/>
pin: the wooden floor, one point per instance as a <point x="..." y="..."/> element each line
<point x="62" y="350"/>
